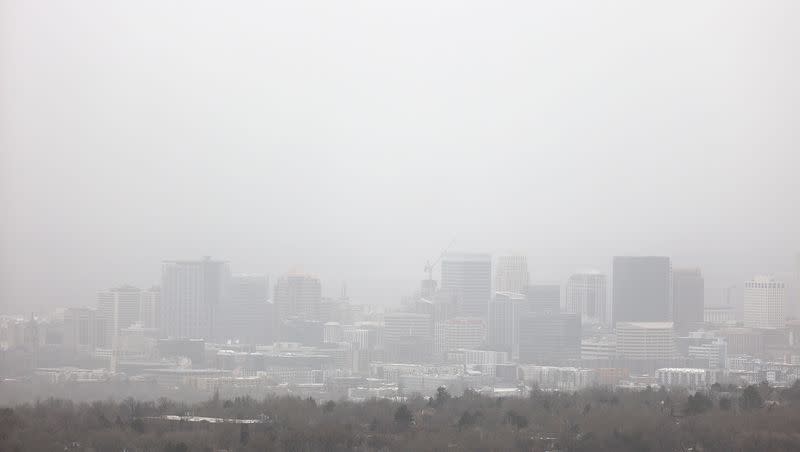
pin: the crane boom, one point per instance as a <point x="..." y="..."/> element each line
<point x="430" y="266"/>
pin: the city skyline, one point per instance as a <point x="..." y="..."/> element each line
<point x="411" y="225"/>
<point x="714" y="294"/>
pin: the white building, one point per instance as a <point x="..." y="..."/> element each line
<point x="719" y="315"/>
<point x="483" y="357"/>
<point x="586" y="295"/>
<point x="764" y="303"/>
<point x="391" y="372"/>
<point x="560" y="378"/>
<point x="511" y="274"/>
<point x="117" y="309"/>
<point x="460" y="332"/>
<point x="483" y="361"/>
<point x="645" y="340"/>
<point x="360" y="338"/>
<point x="599" y="348"/>
<point x="332" y="332"/>
<point x="714" y="350"/>
<point x="705" y="345"/>
<point x="685" y="377"/>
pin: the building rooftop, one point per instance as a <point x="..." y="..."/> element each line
<point x="647" y="325"/>
<point x="472" y="257"/>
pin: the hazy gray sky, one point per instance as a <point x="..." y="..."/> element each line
<point x="356" y="139"/>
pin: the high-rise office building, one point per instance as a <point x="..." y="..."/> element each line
<point x="469" y="277"/>
<point x="244" y="316"/>
<point x="585" y="294"/>
<point x="79" y="329"/>
<point x="642" y="290"/>
<point x="797" y="284"/>
<point x="117" y="309"/>
<point x="764" y="303"/>
<point x="149" y="308"/>
<point x="191" y="293"/>
<point x="688" y="293"/>
<point x="511" y="274"/>
<point x="503" y="326"/>
<point x="544" y="298"/>
<point x="549" y="338"/>
<point x="298" y="295"/>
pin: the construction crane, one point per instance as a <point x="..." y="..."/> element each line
<point x="430" y="266"/>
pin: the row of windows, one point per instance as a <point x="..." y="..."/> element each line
<point x="764" y="285"/>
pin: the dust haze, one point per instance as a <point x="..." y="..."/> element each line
<point x="355" y="140"/>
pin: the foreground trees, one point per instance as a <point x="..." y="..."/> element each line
<point x="755" y="418"/>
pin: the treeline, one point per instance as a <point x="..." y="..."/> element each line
<point x="755" y="418"/>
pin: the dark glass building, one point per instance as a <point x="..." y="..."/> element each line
<point x="642" y="290"/>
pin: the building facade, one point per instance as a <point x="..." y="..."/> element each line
<point x="191" y="293"/>
<point x="117" y="309"/>
<point x="688" y="293"/>
<point x="642" y="289"/>
<point x="503" y="325"/>
<point x="764" y="303"/>
<point x="245" y="316"/>
<point x="149" y="309"/>
<point x="469" y="277"/>
<point x="298" y="295"/>
<point x="585" y="294"/>
<point x="548" y="337"/>
<point x="461" y="332"/>
<point x="646" y="340"/>
<point x="544" y="298"/>
<point x="407" y="337"/>
<point x="511" y="274"/>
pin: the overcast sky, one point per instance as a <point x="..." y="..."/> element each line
<point x="357" y="139"/>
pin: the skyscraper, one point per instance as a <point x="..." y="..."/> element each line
<point x="544" y="298"/>
<point x="79" y="329"/>
<point x="191" y="292"/>
<point x="244" y="316"/>
<point x="797" y="283"/>
<point x="688" y="292"/>
<point x="149" y="307"/>
<point x="117" y="309"/>
<point x="298" y="295"/>
<point x="469" y="277"/>
<point x="586" y="295"/>
<point x="764" y="303"/>
<point x="503" y="326"/>
<point x="511" y="274"/>
<point x="642" y="289"/>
